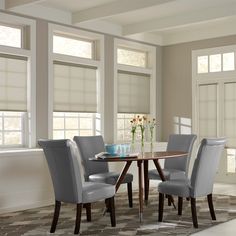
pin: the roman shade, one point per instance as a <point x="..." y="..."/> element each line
<point x="133" y="93"/>
<point x="75" y="88"/>
<point x="13" y="83"/>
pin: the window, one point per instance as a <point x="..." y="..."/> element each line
<point x="75" y="101"/>
<point x="68" y="125"/>
<point x="17" y="81"/>
<point x="135" y="83"/>
<point x="13" y="100"/>
<point x="131" y="57"/>
<point x="216" y="63"/>
<point x="10" y="36"/>
<point x="76" y="82"/>
<point x="124" y="127"/>
<point x="72" y="47"/>
<point x="215" y="99"/>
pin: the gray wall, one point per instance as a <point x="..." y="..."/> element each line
<point x="177" y="76"/>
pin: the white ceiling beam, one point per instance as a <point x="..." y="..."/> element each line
<point x="16" y="3"/>
<point x="114" y="8"/>
<point x="183" y="19"/>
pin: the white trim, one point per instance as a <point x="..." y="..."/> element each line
<point x="31" y="67"/>
<point x="98" y="62"/>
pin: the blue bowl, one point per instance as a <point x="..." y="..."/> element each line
<point x="111" y="149"/>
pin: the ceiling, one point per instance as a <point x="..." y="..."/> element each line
<point x="153" y="19"/>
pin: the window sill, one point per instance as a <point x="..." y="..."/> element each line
<point x="19" y="152"/>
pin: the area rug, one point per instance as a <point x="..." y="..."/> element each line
<point x="37" y="221"/>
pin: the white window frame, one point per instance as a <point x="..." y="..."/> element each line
<point x="97" y="61"/>
<point x="30" y="53"/>
<point x="218" y="78"/>
<point x="149" y="70"/>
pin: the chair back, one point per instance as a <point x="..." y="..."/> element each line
<point x="183" y="143"/>
<point x="205" y="166"/>
<point x="64" y="169"/>
<point x="88" y="147"/>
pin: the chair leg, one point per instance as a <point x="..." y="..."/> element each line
<point x="169" y="200"/>
<point x="161" y="206"/>
<point x="180" y="205"/>
<point x="130" y="194"/>
<point x="78" y="218"/>
<point x="56" y="216"/>
<point x="211" y="207"/>
<point x="112" y="211"/>
<point x="194" y="212"/>
<point x="87" y="206"/>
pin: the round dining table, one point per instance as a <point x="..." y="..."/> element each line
<point x="142" y="160"/>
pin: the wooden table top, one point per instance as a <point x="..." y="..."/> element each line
<point x="142" y="157"/>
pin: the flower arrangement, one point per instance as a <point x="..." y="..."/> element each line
<point x="134" y="125"/>
<point x="142" y="123"/>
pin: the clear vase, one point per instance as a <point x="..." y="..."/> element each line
<point x="142" y="141"/>
<point x="133" y="142"/>
<point x="151" y="140"/>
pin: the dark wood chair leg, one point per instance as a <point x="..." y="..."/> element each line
<point x="194" y="212"/>
<point x="56" y="216"/>
<point x="161" y="206"/>
<point x="112" y="211"/>
<point x="146" y="181"/>
<point x="78" y="218"/>
<point x="87" y="206"/>
<point x="180" y="205"/>
<point x="211" y="207"/>
<point x="130" y="194"/>
<point x="169" y="200"/>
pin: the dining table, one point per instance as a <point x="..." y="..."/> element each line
<point x="142" y="160"/>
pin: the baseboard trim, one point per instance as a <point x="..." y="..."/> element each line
<point x="27" y="206"/>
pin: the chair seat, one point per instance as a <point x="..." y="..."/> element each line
<point x="180" y="187"/>
<point x="168" y="173"/>
<point x="93" y="192"/>
<point x="110" y="178"/>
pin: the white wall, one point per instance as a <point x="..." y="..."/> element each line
<point x="24" y="180"/>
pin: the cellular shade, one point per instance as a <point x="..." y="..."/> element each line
<point x="75" y="88"/>
<point x="133" y="93"/>
<point x="13" y="83"/>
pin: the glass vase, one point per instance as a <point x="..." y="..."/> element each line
<point x="133" y="142"/>
<point x="151" y="140"/>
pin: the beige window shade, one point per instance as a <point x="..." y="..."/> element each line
<point x="133" y="93"/>
<point x="75" y="88"/>
<point x="13" y="83"/>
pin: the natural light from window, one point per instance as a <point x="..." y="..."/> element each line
<point x="131" y="57"/>
<point x="11" y="128"/>
<point x="231" y="160"/>
<point x="124" y="127"/>
<point x="10" y="36"/>
<point x="72" y="47"/>
<point x="70" y="124"/>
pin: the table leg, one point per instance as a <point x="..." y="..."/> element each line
<point x="159" y="169"/>
<point x="122" y="175"/>
<point x="140" y="185"/>
<point x="146" y="180"/>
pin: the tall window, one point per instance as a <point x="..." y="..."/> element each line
<point x="14" y="89"/>
<point x="75" y="86"/>
<point x="135" y="82"/>
<point x="214" y="96"/>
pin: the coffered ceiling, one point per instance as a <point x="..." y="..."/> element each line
<point x="161" y="21"/>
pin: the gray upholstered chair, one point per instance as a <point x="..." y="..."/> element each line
<point x="68" y="187"/>
<point x="201" y="182"/>
<point x="98" y="171"/>
<point x="175" y="168"/>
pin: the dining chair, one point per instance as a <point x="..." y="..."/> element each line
<point x="201" y="181"/>
<point x="67" y="183"/>
<point x="88" y="147"/>
<point x="174" y="168"/>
